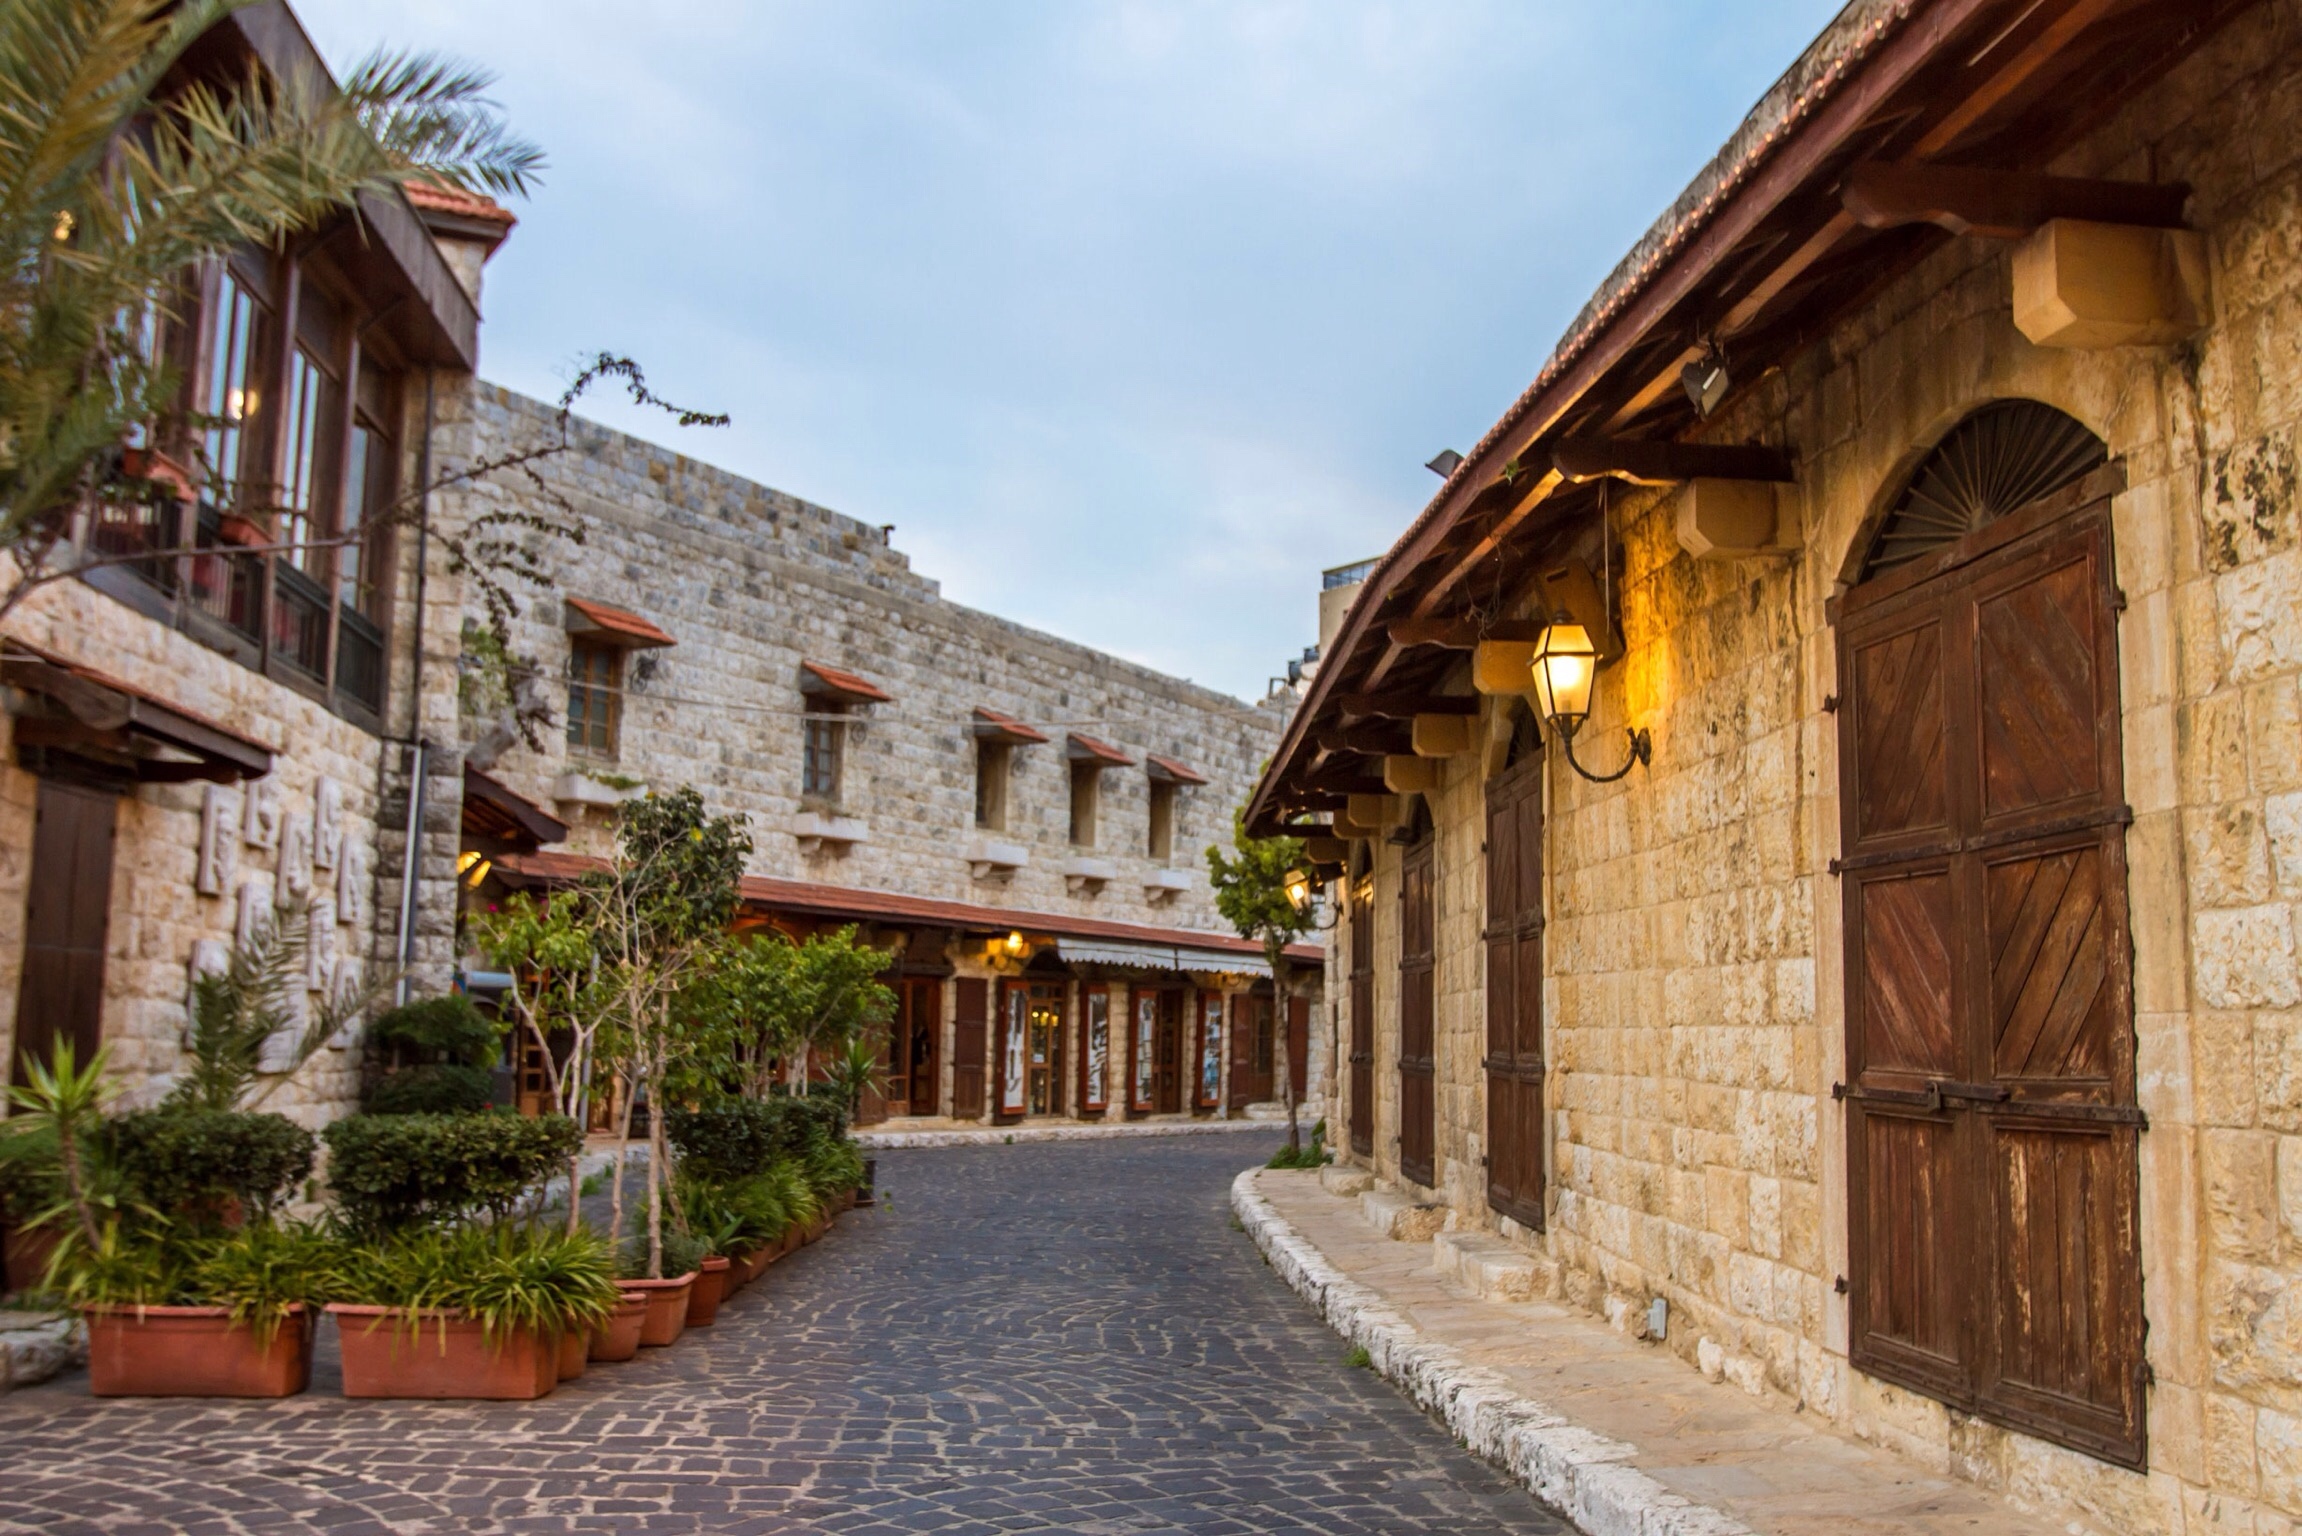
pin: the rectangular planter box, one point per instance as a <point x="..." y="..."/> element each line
<point x="618" y="1337"/>
<point x="666" y="1308"/>
<point x="194" y="1352"/>
<point x="444" y="1356"/>
<point x="710" y="1288"/>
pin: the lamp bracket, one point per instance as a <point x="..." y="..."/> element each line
<point x="1642" y="750"/>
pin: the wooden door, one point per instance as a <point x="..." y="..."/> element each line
<point x="1143" y="1052"/>
<point x="67" y="917"/>
<point x="1253" y="1052"/>
<point x="970" y="1043"/>
<point x="1043" y="1045"/>
<point x="1514" y="946"/>
<point x="1418" y="1065"/>
<point x="1168" y="1067"/>
<point x="913" y="1034"/>
<point x="1991" y="1118"/>
<point x="1363" y="1022"/>
<point x="1207" y="1053"/>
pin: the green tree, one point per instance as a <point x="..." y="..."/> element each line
<point x="1251" y="891"/>
<point x="117" y="176"/>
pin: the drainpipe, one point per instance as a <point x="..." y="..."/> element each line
<point x="419" y="752"/>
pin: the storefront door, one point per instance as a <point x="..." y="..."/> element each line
<point x="67" y="917"/>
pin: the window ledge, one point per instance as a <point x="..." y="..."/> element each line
<point x="1086" y="877"/>
<point x="1161" y="886"/>
<point x="816" y="832"/>
<point x="996" y="861"/>
<point x="576" y="787"/>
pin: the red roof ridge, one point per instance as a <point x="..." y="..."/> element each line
<point x="849" y="683"/>
<point x="1087" y="746"/>
<point x="1177" y="772"/>
<point x="425" y="193"/>
<point x="620" y="621"/>
<point x="1008" y="724"/>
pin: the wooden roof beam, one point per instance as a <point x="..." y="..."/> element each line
<point x="1459" y="634"/>
<point x="1664" y="462"/>
<point x="1402" y="703"/>
<point x="2004" y="205"/>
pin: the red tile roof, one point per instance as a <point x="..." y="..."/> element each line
<point x="471" y="205"/>
<point x="842" y="901"/>
<point x="1005" y="727"/>
<point x="1170" y="771"/>
<point x="620" y="625"/>
<point x="1083" y="748"/>
<point x="845" y="684"/>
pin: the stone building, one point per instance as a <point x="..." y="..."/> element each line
<point x="268" y="723"/>
<point x="1915" y="1017"/>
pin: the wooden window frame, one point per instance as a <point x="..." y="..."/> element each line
<point x="597" y="697"/>
<point x="994" y="776"/>
<point x="823" y="753"/>
<point x="1086" y="801"/>
<point x="1159" y="822"/>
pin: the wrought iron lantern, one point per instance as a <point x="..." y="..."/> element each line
<point x="1565" y="666"/>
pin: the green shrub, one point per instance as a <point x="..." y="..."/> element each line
<point x="446" y="1030"/>
<point x="259" y="1271"/>
<point x="683" y="1252"/>
<point x="439" y="1088"/>
<point x="509" y="1276"/>
<point x="391" y="1172"/>
<point x="189" y="1164"/>
<point x="733" y="1139"/>
<point x="1311" y="1154"/>
<point x="833" y="1168"/>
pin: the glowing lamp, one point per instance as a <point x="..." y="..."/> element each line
<point x="1565" y="665"/>
<point x="1298" y="889"/>
<point x="1015" y="945"/>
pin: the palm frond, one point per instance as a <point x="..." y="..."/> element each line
<point x="433" y="117"/>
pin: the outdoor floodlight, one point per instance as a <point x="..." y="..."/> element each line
<point x="1444" y="463"/>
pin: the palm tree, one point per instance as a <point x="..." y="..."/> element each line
<point x="119" y="170"/>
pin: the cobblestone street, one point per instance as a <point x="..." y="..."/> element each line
<point x="1064" y="1338"/>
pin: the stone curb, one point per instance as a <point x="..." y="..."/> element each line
<point x="887" y="1140"/>
<point x="1584" y="1475"/>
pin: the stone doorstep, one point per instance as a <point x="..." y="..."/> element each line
<point x="36" y="1345"/>
<point x="1493" y="1270"/>
<point x="1625" y="1439"/>
<point x="1344" y="1180"/>
<point x="1400" y="1219"/>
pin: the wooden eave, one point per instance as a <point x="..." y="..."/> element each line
<point x="66" y="706"/>
<point x="493" y="809"/>
<point x="1762" y="254"/>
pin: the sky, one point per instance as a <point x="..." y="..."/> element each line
<point x="1131" y="317"/>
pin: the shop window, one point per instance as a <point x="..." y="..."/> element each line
<point x="823" y="749"/>
<point x="1162" y="822"/>
<point x="595" y="683"/>
<point x="1086" y="799"/>
<point x="994" y="761"/>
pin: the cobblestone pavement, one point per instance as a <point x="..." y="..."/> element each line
<point x="1021" y="1338"/>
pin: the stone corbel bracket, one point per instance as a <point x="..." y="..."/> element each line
<point x="997" y="862"/>
<point x="1162" y="886"/>
<point x="1087" y="877"/>
<point x="817" y="833"/>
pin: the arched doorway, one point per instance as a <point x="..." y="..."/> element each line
<point x="1991" y="1118"/>
<point x="1513" y="938"/>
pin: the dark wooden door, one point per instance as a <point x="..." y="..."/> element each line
<point x="66" y="918"/>
<point x="913" y="1076"/>
<point x="1514" y="945"/>
<point x="970" y="1043"/>
<point x="1363" y="1022"/>
<point x="1418" y="1065"/>
<point x="1167" y="1072"/>
<point x="1992" y="1125"/>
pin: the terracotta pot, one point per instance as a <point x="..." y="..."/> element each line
<point x="703" y="1298"/>
<point x="846" y="1200"/>
<point x="27" y="1256"/>
<point x="195" y="1352"/>
<point x="816" y="1228"/>
<point x="666" y="1308"/>
<point x="618" y="1337"/>
<point x="575" y="1349"/>
<point x="233" y="528"/>
<point x="444" y="1355"/>
<point x="151" y="464"/>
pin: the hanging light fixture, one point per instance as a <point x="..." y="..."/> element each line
<point x="1015" y="945"/>
<point x="1298" y="888"/>
<point x="1706" y="380"/>
<point x="1565" y="666"/>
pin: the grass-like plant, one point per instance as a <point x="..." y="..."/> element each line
<point x="260" y="1271"/>
<point x="511" y="1277"/>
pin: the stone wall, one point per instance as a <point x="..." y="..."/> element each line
<point x="1695" y="1008"/>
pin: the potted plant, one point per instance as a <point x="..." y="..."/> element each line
<point x="667" y="1295"/>
<point x="475" y="1311"/>
<point x="616" y="1337"/>
<point x="172" y="1314"/>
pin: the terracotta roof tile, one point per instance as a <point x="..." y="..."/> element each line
<point x="1168" y="770"/>
<point x="1087" y="749"/>
<point x="617" y="625"/>
<point x="471" y="205"/>
<point x="1004" y="727"/>
<point x="843" y="684"/>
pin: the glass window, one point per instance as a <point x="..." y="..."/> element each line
<point x="595" y="677"/>
<point x="306" y="424"/>
<point x="822" y="734"/>
<point x="229" y="399"/>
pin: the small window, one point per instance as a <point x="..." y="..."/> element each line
<point x="1162" y="839"/>
<point x="229" y="398"/>
<point x="595" y="679"/>
<point x="823" y="738"/>
<point x="993" y="761"/>
<point x="1086" y="793"/>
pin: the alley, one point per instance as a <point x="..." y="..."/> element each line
<point x="1108" y="1355"/>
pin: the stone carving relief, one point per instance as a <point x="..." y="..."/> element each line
<point x="352" y="886"/>
<point x="260" y="814"/>
<point x="320" y="947"/>
<point x="209" y="958"/>
<point x="254" y="918"/>
<point x="219" y="841"/>
<point x="327" y="823"/>
<point x="295" y="856"/>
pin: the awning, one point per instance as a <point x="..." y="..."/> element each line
<point x="493" y="809"/>
<point x="74" y="720"/>
<point x="822" y="682"/>
<point x="612" y="626"/>
<point x="1166" y="770"/>
<point x="991" y="725"/>
<point x="1086" y="749"/>
<point x="1160" y="957"/>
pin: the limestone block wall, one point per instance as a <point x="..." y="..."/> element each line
<point x="751" y="582"/>
<point x="1695" y="1005"/>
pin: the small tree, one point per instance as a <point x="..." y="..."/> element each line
<point x="550" y="950"/>
<point x="1251" y="891"/>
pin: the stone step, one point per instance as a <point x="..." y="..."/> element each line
<point x="1400" y="1219"/>
<point x="1345" y="1180"/>
<point x="1493" y="1269"/>
<point x="35" y="1346"/>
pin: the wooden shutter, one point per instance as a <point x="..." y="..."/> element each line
<point x="971" y="1020"/>
<point x="67" y="917"/>
<point x="1417" y="1058"/>
<point x="1514" y="952"/>
<point x="1992" y="1124"/>
<point x="1363" y="1023"/>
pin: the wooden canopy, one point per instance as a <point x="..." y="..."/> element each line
<point x="492" y="809"/>
<point x="1905" y="124"/>
<point x="75" y="722"/>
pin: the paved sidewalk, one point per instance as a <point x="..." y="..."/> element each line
<point x="1624" y="1437"/>
<point x="973" y="1133"/>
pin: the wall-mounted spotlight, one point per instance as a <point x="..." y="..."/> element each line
<point x="473" y="867"/>
<point x="1016" y="946"/>
<point x="1705" y="380"/>
<point x="1565" y="665"/>
<point x="1444" y="463"/>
